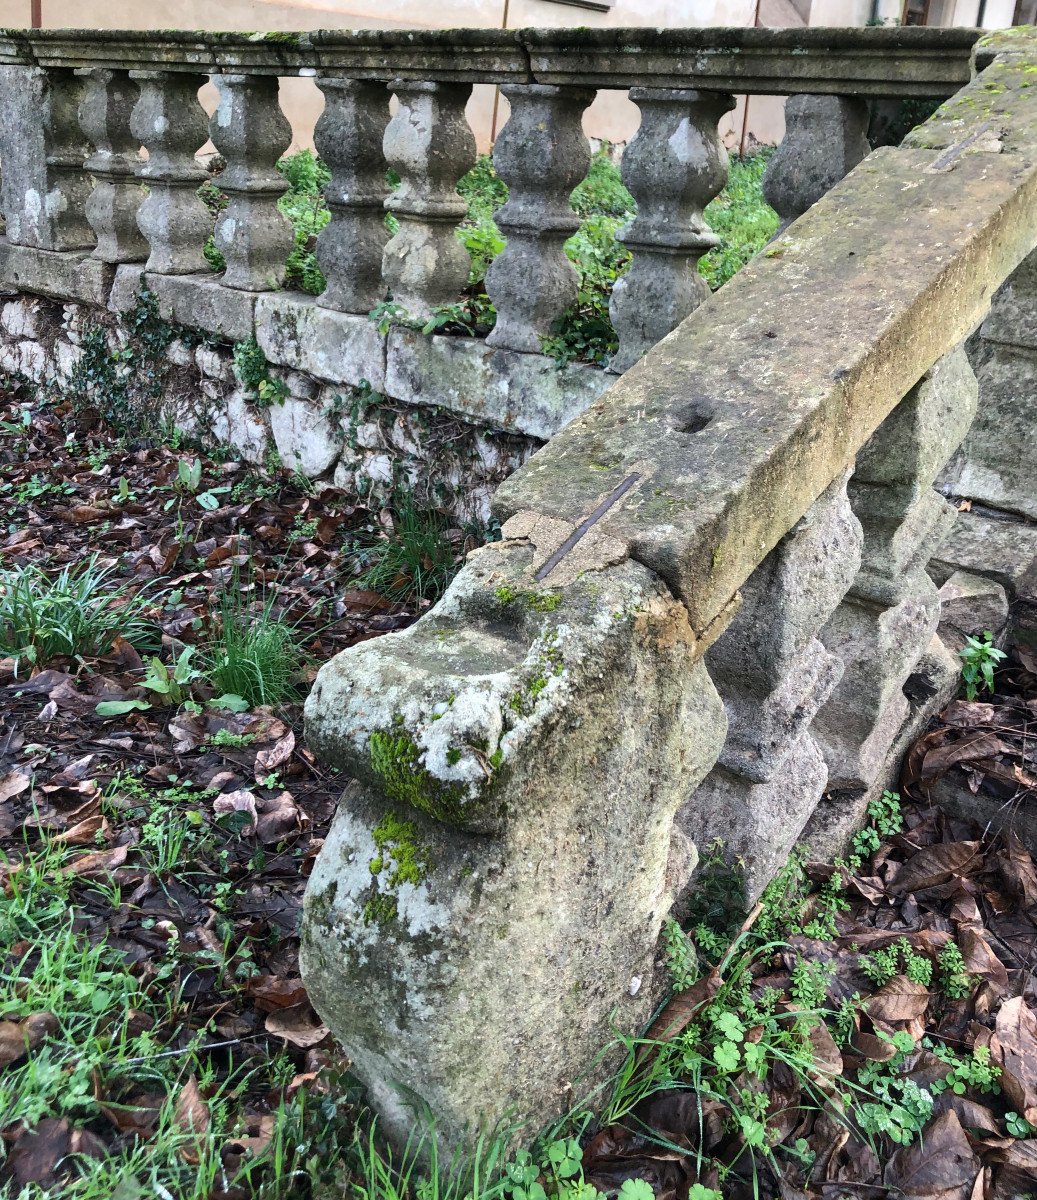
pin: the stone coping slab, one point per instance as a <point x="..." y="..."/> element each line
<point x="730" y="428"/>
<point x="294" y="331"/>
<point x="526" y="393"/>
<point x="859" y="61"/>
<point x="74" y="275"/>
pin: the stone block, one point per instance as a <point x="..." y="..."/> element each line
<point x="214" y="364"/>
<point x="758" y="823"/>
<point x="126" y="287"/>
<point x="65" y="275"/>
<point x="970" y="604"/>
<point x="66" y="359"/>
<point x="202" y="302"/>
<point x="1000" y="452"/>
<point x="522" y="393"/>
<point x="307" y="438"/>
<point x="236" y="423"/>
<point x="527" y="760"/>
<point x="295" y="331"/>
<point x="1013" y="310"/>
<point x="21" y="318"/>
<point x="999" y="548"/>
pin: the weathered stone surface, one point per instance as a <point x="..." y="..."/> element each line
<point x="170" y="123"/>
<point x="22" y="318"/>
<point x="674" y="165"/>
<point x="882" y="62"/>
<point x="776" y="391"/>
<point x="840" y="814"/>
<point x="551" y="736"/>
<point x="970" y="604"/>
<point x="202" y="302"/>
<point x="341" y="347"/>
<point x="892" y="610"/>
<point x="522" y="392"/>
<point x="348" y="137"/>
<point x="541" y="153"/>
<point x="307" y="438"/>
<point x="825" y="138"/>
<point x="43" y="188"/>
<point x="1007" y="367"/>
<point x="250" y="131"/>
<point x="105" y="105"/>
<point x="758" y="823"/>
<point x="66" y="276"/>
<point x="1003" y="550"/>
<point x="237" y="423"/>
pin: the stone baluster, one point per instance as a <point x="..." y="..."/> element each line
<point x="673" y="167"/>
<point x="825" y="138"/>
<point x="45" y="186"/>
<point x="541" y="154"/>
<point x="890" y="614"/>
<point x="170" y="123"/>
<point x="774" y="675"/>
<point x="348" y="137"/>
<point x="250" y="131"/>
<point x="431" y="145"/>
<point x="105" y="106"/>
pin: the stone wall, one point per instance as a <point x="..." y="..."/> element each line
<point x="148" y="371"/>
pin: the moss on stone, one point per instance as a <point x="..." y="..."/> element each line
<point x="396" y="760"/>
<point x="398" y="849"/>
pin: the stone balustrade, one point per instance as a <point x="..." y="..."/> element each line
<point x="79" y="105"/>
<point x="710" y="616"/>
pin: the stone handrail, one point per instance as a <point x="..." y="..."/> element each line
<point x="709" y="617"/>
<point x="92" y="98"/>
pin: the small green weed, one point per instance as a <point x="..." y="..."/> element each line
<point x="979" y="658"/>
<point x="955" y="980"/>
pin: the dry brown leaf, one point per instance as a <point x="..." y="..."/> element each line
<point x="271" y="992"/>
<point x="271" y="758"/>
<point x="240" y="801"/>
<point x="899" y="1000"/>
<point x="191" y="1116"/>
<point x="279" y="818"/>
<point x="299" y="1025"/>
<point x="933" y="865"/>
<point x="13" y="784"/>
<point x="939" y="1166"/>
<point x="98" y="862"/>
<point x="22" y="1037"/>
<point x="84" y="833"/>
<point x="1016" y="1029"/>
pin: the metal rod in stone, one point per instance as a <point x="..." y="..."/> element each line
<point x="586" y="524"/>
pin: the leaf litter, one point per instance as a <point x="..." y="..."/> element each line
<point x="213" y="919"/>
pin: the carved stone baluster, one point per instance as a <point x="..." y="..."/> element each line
<point x="45" y="186"/>
<point x="105" y="106"/>
<point x="250" y="131"/>
<point x="673" y="167"/>
<point x="825" y="138"/>
<point x="889" y="616"/>
<point x="170" y="123"/>
<point x="431" y="145"/>
<point x="348" y="137"/>
<point x="774" y="675"/>
<point x="542" y="154"/>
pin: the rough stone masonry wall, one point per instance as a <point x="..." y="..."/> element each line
<point x="138" y="367"/>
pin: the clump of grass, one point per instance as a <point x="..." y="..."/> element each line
<point x="77" y="613"/>
<point x="416" y="561"/>
<point x="741" y="218"/>
<point x="253" y="652"/>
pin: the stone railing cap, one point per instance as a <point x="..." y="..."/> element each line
<point x="860" y="61"/>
